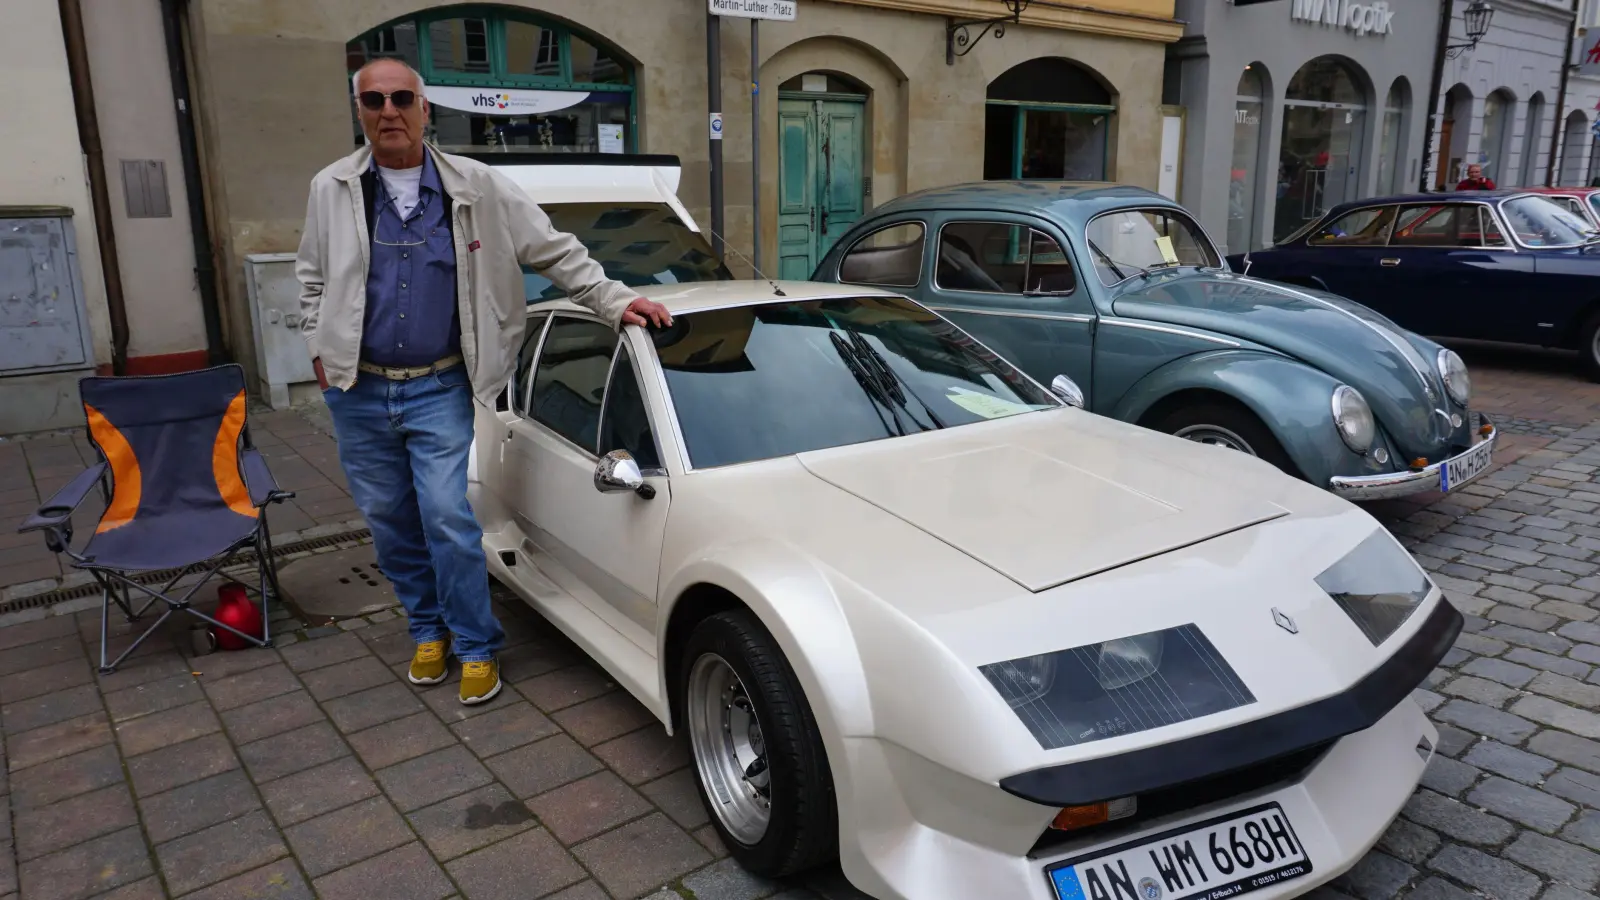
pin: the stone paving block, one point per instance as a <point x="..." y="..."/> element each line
<point x="1585" y="829"/>
<point x="1562" y="892"/>
<point x="428" y="779"/>
<point x="1583" y="632"/>
<point x="1376" y="876"/>
<point x="143" y="669"/>
<point x="384" y="745"/>
<point x="373" y="706"/>
<point x="586" y="890"/>
<point x="530" y="864"/>
<point x="391" y="648"/>
<point x="33" y="632"/>
<point x="88" y="868"/>
<point x="181" y="764"/>
<point x="1577" y="751"/>
<point x="153" y="697"/>
<point x="38" y="712"/>
<point x="163" y="729"/>
<point x="1456" y="820"/>
<point x="295" y="751"/>
<point x="645" y="754"/>
<point x="1525" y="618"/>
<point x="69" y="776"/>
<point x="147" y="889"/>
<point x="1556" y="859"/>
<point x="1448" y="776"/>
<point x="1478" y="690"/>
<point x="1558" y="715"/>
<point x="505" y="728"/>
<point x="55" y="741"/>
<point x="1566" y="610"/>
<point x="1429" y="701"/>
<point x="1483" y="646"/>
<point x="46" y="829"/>
<point x="1496" y="878"/>
<point x="603" y="718"/>
<point x="51" y="679"/>
<point x="1566" y="689"/>
<point x="1438" y="889"/>
<point x="1521" y="803"/>
<point x="1500" y="671"/>
<point x="1533" y="640"/>
<point x="726" y="880"/>
<point x="567" y="687"/>
<point x="472" y="820"/>
<point x="354" y="833"/>
<point x="347" y="677"/>
<point x="41" y="655"/>
<point x="543" y="766"/>
<point x="218" y="666"/>
<point x="324" y="652"/>
<point x="641" y="855"/>
<point x="1575" y="785"/>
<point x="537" y="657"/>
<point x="316" y="791"/>
<point x="1409" y="841"/>
<point x="285" y="712"/>
<point x="280" y="881"/>
<point x="251" y="687"/>
<point x="1517" y="765"/>
<point x="198" y="805"/>
<point x="585" y="808"/>
<point x="1558" y="664"/>
<point x="220" y="852"/>
<point x="407" y="873"/>
<point x="678" y="796"/>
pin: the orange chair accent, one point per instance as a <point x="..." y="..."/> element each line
<point x="126" y="482"/>
<point x="225" y="461"/>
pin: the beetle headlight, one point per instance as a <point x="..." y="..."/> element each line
<point x="1353" y="417"/>
<point x="1378" y="585"/>
<point x="1118" y="687"/>
<point x="1453" y="371"/>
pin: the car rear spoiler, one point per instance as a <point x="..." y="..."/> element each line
<point x="494" y="158"/>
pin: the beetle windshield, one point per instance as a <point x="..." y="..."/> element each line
<point x="762" y="381"/>
<point x="1542" y="222"/>
<point x="636" y="243"/>
<point x="1131" y="242"/>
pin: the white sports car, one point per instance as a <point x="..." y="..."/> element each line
<point x="916" y="611"/>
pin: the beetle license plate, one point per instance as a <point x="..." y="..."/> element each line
<point x="1462" y="469"/>
<point x="1224" y="857"/>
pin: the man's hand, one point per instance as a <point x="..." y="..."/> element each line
<point x="322" y="377"/>
<point x="646" y="312"/>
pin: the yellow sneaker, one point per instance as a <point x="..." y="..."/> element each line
<point x="428" y="665"/>
<point x="480" y="681"/>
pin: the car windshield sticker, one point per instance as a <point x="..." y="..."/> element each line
<point x="1168" y="255"/>
<point x="980" y="404"/>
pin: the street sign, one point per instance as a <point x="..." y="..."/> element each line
<point x="775" y="10"/>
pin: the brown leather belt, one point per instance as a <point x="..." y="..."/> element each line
<point x="403" y="374"/>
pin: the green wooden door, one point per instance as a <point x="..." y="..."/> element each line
<point x="820" y="189"/>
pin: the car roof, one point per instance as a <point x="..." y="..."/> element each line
<point x="699" y="295"/>
<point x="1070" y="200"/>
<point x="1580" y="191"/>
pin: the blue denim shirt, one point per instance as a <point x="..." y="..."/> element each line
<point x="411" y="317"/>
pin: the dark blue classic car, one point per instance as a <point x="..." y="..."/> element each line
<point x="1487" y="265"/>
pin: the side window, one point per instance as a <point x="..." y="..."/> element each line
<point x="1594" y="202"/>
<point x="517" y="390"/>
<point x="1049" y="268"/>
<point x="1437" y="226"/>
<point x="891" y="257"/>
<point x="625" y="424"/>
<point x="1360" y="228"/>
<point x="1576" y="205"/>
<point x="982" y="257"/>
<point x="569" y="382"/>
<point x="1490" y="228"/>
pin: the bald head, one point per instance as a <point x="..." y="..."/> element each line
<point x="387" y="62"/>
<point x="392" y="110"/>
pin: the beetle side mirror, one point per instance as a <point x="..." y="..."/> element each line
<point x="618" y="473"/>
<point x="1067" y="390"/>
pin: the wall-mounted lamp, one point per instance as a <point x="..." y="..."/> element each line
<point x="961" y="35"/>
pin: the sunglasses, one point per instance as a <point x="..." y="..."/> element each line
<point x="374" y="100"/>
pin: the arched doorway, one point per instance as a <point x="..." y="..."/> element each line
<point x="822" y="139"/>
<point x="1249" y="101"/>
<point x="1494" y="145"/>
<point x="1324" y="124"/>
<point x="1531" y="129"/>
<point x="503" y="80"/>
<point x="1047" y="118"/>
<point x="1573" y="146"/>
<point x="1391" y="150"/>
<point x="1453" y="132"/>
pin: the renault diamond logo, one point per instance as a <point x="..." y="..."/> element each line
<point x="1284" y="622"/>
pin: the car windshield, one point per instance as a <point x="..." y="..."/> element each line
<point x="637" y="244"/>
<point x="762" y="381"/>
<point x="1131" y="242"/>
<point x="1542" y="222"/>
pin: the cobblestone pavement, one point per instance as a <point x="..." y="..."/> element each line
<point x="314" y="769"/>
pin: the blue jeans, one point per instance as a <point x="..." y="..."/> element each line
<point x="403" y="446"/>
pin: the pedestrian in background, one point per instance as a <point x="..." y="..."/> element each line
<point x="1476" y="180"/>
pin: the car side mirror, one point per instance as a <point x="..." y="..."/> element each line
<point x="1067" y="390"/>
<point x="618" y="473"/>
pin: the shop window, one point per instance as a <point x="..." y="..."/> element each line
<point x="1573" y="148"/>
<point x="1047" y="119"/>
<point x="509" y="82"/>
<point x="889" y="256"/>
<point x="1324" y="122"/>
<point x="1246" y="172"/>
<point x="1532" y="127"/>
<point x="1498" y="108"/>
<point x="1391" y="151"/>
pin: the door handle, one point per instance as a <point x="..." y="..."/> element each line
<point x="1389" y="261"/>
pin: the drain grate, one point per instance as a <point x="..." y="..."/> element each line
<point x="247" y="558"/>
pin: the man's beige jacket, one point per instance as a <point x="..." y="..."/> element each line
<point x="497" y="230"/>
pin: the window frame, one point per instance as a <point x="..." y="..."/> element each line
<point x="1310" y="239"/>
<point x="530" y="418"/>
<point x="1027" y="263"/>
<point x="1019" y="129"/>
<point x="922" y="264"/>
<point x="644" y="397"/>
<point x="544" y="317"/>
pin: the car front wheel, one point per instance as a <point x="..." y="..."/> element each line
<point x="1589" y="348"/>
<point x="1228" y="426"/>
<point x="763" y="772"/>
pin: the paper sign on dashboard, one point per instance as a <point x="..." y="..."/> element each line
<point x="1168" y="255"/>
<point x="984" y="405"/>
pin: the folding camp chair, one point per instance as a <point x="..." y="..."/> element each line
<point x="186" y="492"/>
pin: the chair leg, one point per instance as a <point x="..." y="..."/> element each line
<point x="268" y="573"/>
<point x="105" y="615"/>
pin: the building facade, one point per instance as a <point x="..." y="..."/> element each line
<point x="1294" y="106"/>
<point x="1578" y="152"/>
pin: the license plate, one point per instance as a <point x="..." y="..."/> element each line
<point x="1224" y="857"/>
<point x="1457" y="472"/>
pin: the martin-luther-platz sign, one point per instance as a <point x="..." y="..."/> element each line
<point x="777" y="10"/>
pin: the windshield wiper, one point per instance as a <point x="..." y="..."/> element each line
<point x="893" y="384"/>
<point x="875" y="390"/>
<point x="1113" y="264"/>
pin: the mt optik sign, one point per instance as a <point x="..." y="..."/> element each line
<point x="1362" y="18"/>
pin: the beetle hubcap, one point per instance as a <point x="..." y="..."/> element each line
<point x="1216" y="436"/>
<point x="729" y="751"/>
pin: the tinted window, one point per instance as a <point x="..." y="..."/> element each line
<point x="755" y="382"/>
<point x="519" y="379"/>
<point x="1363" y="227"/>
<point x="637" y="244"/>
<point x="626" y="425"/>
<point x="1128" y="241"/>
<point x="1540" y="223"/>
<point x="889" y="256"/>
<point x="570" y="381"/>
<point x="1453" y="225"/>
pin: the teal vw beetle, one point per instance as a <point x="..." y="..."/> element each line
<point x="1115" y="297"/>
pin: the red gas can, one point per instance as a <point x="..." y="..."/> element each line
<point x="235" y="610"/>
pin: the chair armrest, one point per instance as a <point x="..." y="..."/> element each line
<point x="258" y="478"/>
<point x="58" y="509"/>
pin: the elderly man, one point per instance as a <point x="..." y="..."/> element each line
<point x="412" y="292"/>
<point x="1475" y="180"/>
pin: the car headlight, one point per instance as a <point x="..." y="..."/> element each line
<point x="1453" y="371"/>
<point x="1378" y="585"/>
<point x="1353" y="417"/>
<point x="1118" y="687"/>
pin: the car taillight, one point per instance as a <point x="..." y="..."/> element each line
<point x="1074" y="817"/>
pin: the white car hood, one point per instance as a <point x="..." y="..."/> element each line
<point x="1036" y="508"/>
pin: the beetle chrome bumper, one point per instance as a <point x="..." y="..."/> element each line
<point x="1402" y="484"/>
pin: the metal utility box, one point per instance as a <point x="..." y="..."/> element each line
<point x="281" y="353"/>
<point x="44" y="322"/>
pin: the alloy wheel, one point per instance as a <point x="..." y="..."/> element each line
<point x="729" y="751"/>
